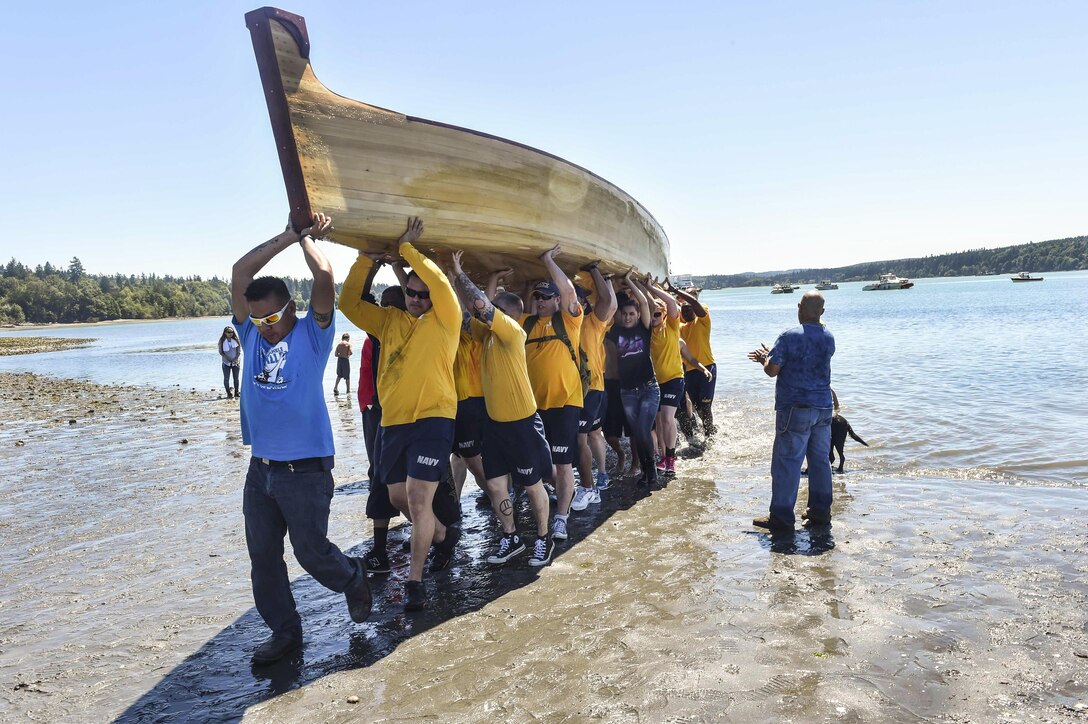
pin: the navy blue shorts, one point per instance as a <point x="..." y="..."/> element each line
<point x="517" y="448"/>
<point x="700" y="389"/>
<point x="615" y="421"/>
<point x="468" y="429"/>
<point x="419" y="449"/>
<point x="561" y="430"/>
<point x="672" y="392"/>
<point x="592" y="412"/>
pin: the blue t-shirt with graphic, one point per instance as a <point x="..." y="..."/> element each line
<point x="804" y="353"/>
<point x="284" y="416"/>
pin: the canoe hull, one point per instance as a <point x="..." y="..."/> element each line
<point x="370" y="168"/>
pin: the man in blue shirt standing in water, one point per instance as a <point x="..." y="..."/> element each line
<point x="801" y="362"/>
<point x="289" y="484"/>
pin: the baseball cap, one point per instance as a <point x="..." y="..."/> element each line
<point x="546" y="288"/>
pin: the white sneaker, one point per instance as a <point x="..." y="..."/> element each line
<point x="582" y="498"/>
<point x="594" y="496"/>
<point x="559" y="529"/>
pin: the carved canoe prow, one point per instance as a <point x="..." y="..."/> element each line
<point x="502" y="202"/>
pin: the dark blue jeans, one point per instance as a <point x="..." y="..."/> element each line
<point x="278" y="502"/>
<point x="640" y="407"/>
<point x="228" y="370"/>
<point x="800" y="432"/>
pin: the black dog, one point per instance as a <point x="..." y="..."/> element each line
<point x="840" y="428"/>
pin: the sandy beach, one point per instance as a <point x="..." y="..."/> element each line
<point x="127" y="592"/>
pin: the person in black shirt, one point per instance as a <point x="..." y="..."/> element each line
<point x="638" y="386"/>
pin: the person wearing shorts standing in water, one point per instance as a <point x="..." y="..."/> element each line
<point x="418" y="397"/>
<point x="343" y="366"/>
<point x="591" y="444"/>
<point x="669" y="369"/>
<point x="696" y="334"/>
<point x="514" y="447"/>
<point x="553" y="373"/>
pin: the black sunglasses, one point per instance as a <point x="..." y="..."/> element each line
<point x="417" y="294"/>
<point x="657" y="314"/>
<point x="543" y="297"/>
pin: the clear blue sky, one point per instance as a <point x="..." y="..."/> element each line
<point x="761" y="135"/>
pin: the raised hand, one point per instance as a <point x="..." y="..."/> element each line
<point x="414" y="230"/>
<point x="321" y="226"/>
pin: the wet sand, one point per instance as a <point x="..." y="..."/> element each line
<point x="126" y="591"/>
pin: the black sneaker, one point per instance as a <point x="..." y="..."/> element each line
<point x="376" y="563"/>
<point x="443" y="552"/>
<point x="510" y="546"/>
<point x="358" y="595"/>
<point x="542" y="552"/>
<point x="275" y="648"/>
<point x="415" y="596"/>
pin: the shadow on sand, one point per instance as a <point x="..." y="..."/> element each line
<point x="218" y="683"/>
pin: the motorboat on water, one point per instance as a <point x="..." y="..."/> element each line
<point x="1025" y="277"/>
<point x="825" y="285"/>
<point x="782" y="289"/>
<point x="888" y="281"/>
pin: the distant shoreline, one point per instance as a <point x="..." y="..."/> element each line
<point x="69" y="325"/>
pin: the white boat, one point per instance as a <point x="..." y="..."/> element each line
<point x="888" y="281"/>
<point x="825" y="285"/>
<point x="782" y="289"/>
<point x="1025" y="277"/>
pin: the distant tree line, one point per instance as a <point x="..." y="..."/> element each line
<point x="1045" y="256"/>
<point x="50" y="293"/>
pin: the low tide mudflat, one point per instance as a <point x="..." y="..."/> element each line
<point x="126" y="591"/>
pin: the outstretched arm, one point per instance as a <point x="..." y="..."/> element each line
<point x="398" y="270"/>
<point x="363" y="314"/>
<point x="693" y="361"/>
<point x="696" y="305"/>
<point x="323" y="292"/>
<point x="670" y="301"/>
<point x="443" y="300"/>
<point x="567" y="295"/>
<point x="474" y="298"/>
<point x="639" y="293"/>
<point x="493" y="281"/>
<point x="605" y="307"/>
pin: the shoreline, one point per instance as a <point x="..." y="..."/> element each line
<point x="928" y="600"/>
<point x="76" y="325"/>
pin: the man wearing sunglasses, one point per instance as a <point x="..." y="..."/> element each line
<point x="553" y="372"/>
<point x="289" y="484"/>
<point x="418" y="396"/>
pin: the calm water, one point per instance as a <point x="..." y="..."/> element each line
<point x="966" y="378"/>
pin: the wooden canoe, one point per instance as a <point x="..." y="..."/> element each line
<point x="369" y="168"/>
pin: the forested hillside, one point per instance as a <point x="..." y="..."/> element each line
<point x="52" y="294"/>
<point x="1044" y="256"/>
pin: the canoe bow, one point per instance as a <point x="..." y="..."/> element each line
<point x="502" y="202"/>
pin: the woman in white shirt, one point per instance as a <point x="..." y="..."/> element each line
<point x="231" y="354"/>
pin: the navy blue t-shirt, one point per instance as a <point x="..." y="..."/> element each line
<point x="633" y="353"/>
<point x="284" y="416"/>
<point x="804" y="353"/>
